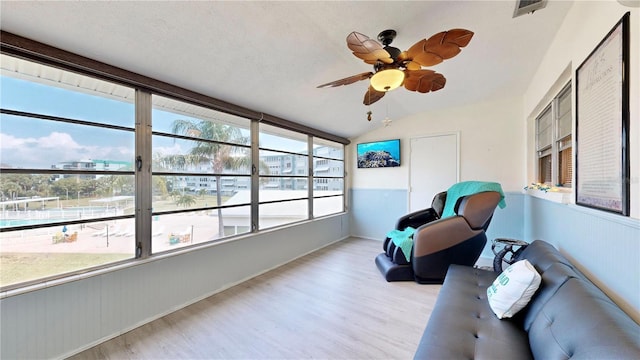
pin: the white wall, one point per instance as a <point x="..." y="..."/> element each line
<point x="491" y="146"/>
<point x="586" y="24"/>
<point x="491" y="149"/>
<point x="58" y="321"/>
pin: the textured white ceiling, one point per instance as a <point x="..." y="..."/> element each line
<point x="270" y="56"/>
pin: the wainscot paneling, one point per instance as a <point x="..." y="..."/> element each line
<point x="374" y="212"/>
<point x="605" y="246"/>
<point x="507" y="222"/>
<point x="58" y="321"/>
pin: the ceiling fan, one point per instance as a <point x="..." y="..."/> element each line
<point x="393" y="68"/>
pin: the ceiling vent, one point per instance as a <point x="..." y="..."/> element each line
<point x="528" y="6"/>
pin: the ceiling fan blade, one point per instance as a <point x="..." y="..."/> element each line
<point x="367" y="49"/>
<point x="375" y="55"/>
<point x="412" y="65"/>
<point x="348" y="80"/>
<point x="423" y="81"/>
<point x="372" y="95"/>
<point x="425" y="58"/>
<point x="460" y="37"/>
<point x="441" y="46"/>
<point x="447" y="44"/>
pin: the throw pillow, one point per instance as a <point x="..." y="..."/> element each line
<point x="512" y="290"/>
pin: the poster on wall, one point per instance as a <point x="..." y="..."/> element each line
<point x="602" y="124"/>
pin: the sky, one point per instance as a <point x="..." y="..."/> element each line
<point x="39" y="144"/>
<point x="34" y="143"/>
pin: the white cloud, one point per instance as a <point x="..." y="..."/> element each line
<point x="57" y="139"/>
<point x="174" y="149"/>
<point x="44" y="151"/>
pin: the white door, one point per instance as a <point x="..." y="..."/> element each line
<point x="433" y="167"/>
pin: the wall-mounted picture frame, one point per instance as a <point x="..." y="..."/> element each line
<point x="379" y="154"/>
<point x="602" y="124"/>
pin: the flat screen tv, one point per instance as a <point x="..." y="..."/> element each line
<point x="379" y="154"/>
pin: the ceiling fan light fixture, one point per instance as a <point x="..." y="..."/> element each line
<point x="388" y="60"/>
<point x="387" y="80"/>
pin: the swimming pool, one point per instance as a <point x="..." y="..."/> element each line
<point x="34" y="217"/>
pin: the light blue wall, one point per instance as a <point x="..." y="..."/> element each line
<point x="605" y="246"/>
<point x="57" y="321"/>
<point x="375" y="212"/>
<point x="507" y="222"/>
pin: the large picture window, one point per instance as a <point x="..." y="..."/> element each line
<point x="95" y="173"/>
<point x="328" y="177"/>
<point x="201" y="160"/>
<point x="67" y="179"/>
<point x="284" y="174"/>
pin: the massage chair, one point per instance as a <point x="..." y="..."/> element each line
<point x="439" y="242"/>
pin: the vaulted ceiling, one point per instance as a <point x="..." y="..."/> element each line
<point x="270" y="56"/>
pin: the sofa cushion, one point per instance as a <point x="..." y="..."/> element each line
<point x="463" y="326"/>
<point x="541" y="255"/>
<point x="513" y="288"/>
<point x="581" y="322"/>
<point x="552" y="279"/>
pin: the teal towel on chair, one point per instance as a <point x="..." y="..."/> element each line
<point x="403" y="239"/>
<point x="465" y="188"/>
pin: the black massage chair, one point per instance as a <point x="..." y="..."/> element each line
<point x="438" y="243"/>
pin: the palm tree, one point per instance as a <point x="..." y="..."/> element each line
<point x="210" y="149"/>
<point x="160" y="185"/>
<point x="175" y="194"/>
<point x="185" y="200"/>
<point x="170" y="162"/>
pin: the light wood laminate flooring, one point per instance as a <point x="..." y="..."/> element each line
<point x="331" y="304"/>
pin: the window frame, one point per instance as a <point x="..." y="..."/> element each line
<point x="555" y="147"/>
<point x="145" y="88"/>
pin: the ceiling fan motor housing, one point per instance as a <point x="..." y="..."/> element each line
<point x="393" y="51"/>
<point x="387" y="36"/>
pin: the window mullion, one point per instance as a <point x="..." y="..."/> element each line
<point x="555" y="115"/>
<point x="142" y="170"/>
<point x="310" y="174"/>
<point x="255" y="175"/>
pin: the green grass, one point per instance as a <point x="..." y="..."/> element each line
<point x="20" y="267"/>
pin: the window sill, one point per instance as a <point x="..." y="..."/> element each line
<point x="562" y="196"/>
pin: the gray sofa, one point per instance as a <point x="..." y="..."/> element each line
<point x="568" y="317"/>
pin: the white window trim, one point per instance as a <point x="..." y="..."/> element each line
<point x="555" y="194"/>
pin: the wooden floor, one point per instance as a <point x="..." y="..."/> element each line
<point x="332" y="304"/>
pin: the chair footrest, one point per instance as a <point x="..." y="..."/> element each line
<point x="392" y="271"/>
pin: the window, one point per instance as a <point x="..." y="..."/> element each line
<point x="554" y="141"/>
<point x="328" y="177"/>
<point x="67" y="179"/>
<point x="96" y="172"/>
<point x="201" y="166"/>
<point x="283" y="195"/>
